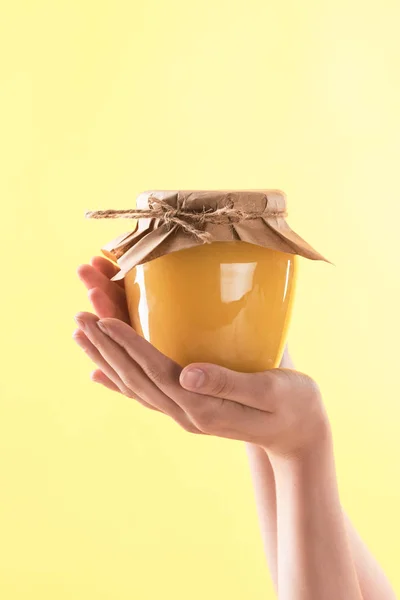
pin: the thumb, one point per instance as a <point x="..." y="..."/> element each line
<point x="250" y="389"/>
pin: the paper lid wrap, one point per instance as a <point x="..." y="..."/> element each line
<point x="169" y="221"/>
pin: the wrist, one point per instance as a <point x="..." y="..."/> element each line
<point x="309" y="457"/>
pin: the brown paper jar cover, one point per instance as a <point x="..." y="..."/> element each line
<point x="166" y="224"/>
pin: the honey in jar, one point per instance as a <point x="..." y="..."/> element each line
<point x="226" y="303"/>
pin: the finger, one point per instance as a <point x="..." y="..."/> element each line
<point x="92" y="278"/>
<point x="108" y="268"/>
<point x="209" y="414"/>
<point x="99" y="377"/>
<point x="105" y="266"/>
<point x="256" y="390"/>
<point x="130" y="372"/>
<point x="96" y="280"/>
<point x="83" y="342"/>
<point x="104" y="307"/>
<point x="161" y="370"/>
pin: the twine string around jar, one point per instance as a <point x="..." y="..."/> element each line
<point x="192" y="222"/>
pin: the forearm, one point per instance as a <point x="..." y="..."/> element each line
<point x="265" y="496"/>
<point x="314" y="554"/>
<point x="373" y="582"/>
<point x="372" y="579"/>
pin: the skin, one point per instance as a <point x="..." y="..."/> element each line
<point x="312" y="550"/>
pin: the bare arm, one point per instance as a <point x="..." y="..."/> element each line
<point x="265" y="495"/>
<point x="372" y="581"/>
<point x="314" y="553"/>
<point x="109" y="301"/>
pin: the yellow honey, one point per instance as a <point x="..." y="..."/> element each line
<point x="227" y="303"/>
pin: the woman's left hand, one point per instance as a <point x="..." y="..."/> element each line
<point x="280" y="410"/>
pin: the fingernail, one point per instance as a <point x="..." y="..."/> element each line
<point x="102" y="327"/>
<point x="193" y="378"/>
<point x="80" y="322"/>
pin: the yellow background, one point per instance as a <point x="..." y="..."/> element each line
<point x="99" y="100"/>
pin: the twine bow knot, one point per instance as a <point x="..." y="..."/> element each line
<point x="191" y="221"/>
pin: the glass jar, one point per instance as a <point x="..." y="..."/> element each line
<point x="210" y="275"/>
<point x="227" y="303"/>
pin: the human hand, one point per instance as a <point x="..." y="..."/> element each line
<point x="108" y="300"/>
<point x="279" y="410"/>
<point x="107" y="297"/>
